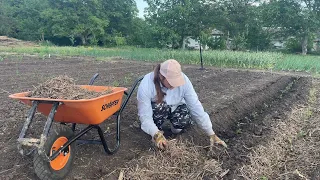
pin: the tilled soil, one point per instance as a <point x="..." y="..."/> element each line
<point x="235" y="100"/>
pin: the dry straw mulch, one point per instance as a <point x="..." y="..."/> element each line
<point x="293" y="151"/>
<point x="181" y="161"/>
<point x="63" y="87"/>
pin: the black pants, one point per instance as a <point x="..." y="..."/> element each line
<point x="180" y="117"/>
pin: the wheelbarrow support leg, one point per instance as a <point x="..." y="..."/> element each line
<point x="29" y="119"/>
<point x="26" y="127"/>
<point x="73" y="127"/>
<point x="47" y="126"/>
<point x="104" y="143"/>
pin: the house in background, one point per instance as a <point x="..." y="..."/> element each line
<point x="276" y="42"/>
<point x="191" y="43"/>
<point x="279" y="43"/>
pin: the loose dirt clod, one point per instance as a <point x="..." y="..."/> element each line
<point x="180" y="161"/>
<point x="63" y="87"/>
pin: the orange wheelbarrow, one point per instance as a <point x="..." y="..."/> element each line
<point x="55" y="149"/>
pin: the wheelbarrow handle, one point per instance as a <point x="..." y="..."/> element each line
<point x="128" y="94"/>
<point x="94" y="77"/>
<point x="123" y="105"/>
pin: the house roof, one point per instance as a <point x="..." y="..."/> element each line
<point x="216" y="32"/>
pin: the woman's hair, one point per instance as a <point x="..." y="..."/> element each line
<point x="157" y="81"/>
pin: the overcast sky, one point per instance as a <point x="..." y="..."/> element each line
<point x="141" y="5"/>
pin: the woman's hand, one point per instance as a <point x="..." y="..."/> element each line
<point x="160" y="140"/>
<point x="214" y="139"/>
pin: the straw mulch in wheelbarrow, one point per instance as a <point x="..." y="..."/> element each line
<point x="64" y="87"/>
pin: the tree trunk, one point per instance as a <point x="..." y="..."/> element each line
<point x="72" y="40"/>
<point x="228" y="44"/>
<point x="83" y="40"/>
<point x="42" y="36"/>
<point x="183" y="43"/>
<point x="305" y="45"/>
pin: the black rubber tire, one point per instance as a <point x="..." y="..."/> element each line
<point x="40" y="163"/>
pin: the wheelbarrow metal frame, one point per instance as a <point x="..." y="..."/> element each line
<point x="39" y="143"/>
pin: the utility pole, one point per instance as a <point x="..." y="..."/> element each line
<point x="201" y="60"/>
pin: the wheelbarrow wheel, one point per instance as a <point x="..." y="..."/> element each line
<point x="60" y="166"/>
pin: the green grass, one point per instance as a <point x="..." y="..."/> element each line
<point x="231" y="59"/>
<point x="299" y="63"/>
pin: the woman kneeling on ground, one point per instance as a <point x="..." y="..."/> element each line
<point x="167" y="94"/>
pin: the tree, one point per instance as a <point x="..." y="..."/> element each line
<point x="75" y="19"/>
<point x="22" y="18"/>
<point x="297" y="18"/>
<point x="179" y="19"/>
<point x="85" y="21"/>
<point x="120" y="14"/>
<point x="257" y="38"/>
<point x="6" y="21"/>
<point x="241" y="21"/>
<point x="143" y="34"/>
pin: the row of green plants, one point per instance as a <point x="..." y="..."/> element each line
<point x="217" y="58"/>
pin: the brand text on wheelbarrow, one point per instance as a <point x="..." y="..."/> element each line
<point x="109" y="105"/>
